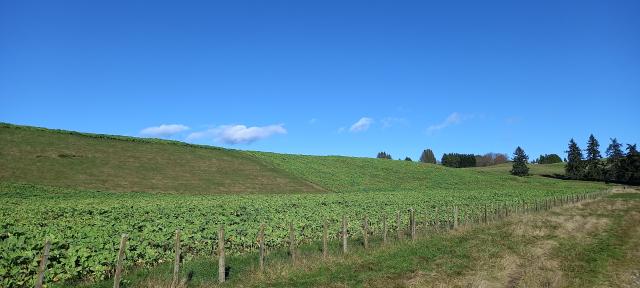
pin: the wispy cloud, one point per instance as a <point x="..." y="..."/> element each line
<point x="453" y="119"/>
<point x="164" y="130"/>
<point x="362" y="125"/>
<point x="313" y="121"/>
<point x="238" y="134"/>
<point x="391" y="121"/>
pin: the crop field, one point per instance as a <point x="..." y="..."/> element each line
<point x="84" y="226"/>
<point x="83" y="212"/>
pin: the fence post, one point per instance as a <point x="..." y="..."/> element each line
<point x="437" y="219"/>
<point x="399" y="226"/>
<point x="325" y="228"/>
<point x="455" y="217"/>
<point x="292" y="243"/>
<point x="484" y="219"/>
<point x="221" y="264"/>
<point x="123" y="245"/>
<point x="426" y="221"/>
<point x="384" y="229"/>
<point x="412" y="222"/>
<point x="43" y="264"/>
<point x="365" y="232"/>
<point x="176" y="264"/>
<point x="261" y="246"/>
<point x="344" y="234"/>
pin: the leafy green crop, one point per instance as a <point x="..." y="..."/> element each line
<point x="84" y="226"/>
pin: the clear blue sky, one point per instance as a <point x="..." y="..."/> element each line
<point x="328" y="77"/>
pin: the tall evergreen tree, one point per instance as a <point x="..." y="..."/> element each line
<point x="631" y="165"/>
<point x="520" y="163"/>
<point x="593" y="167"/>
<point x="428" y="157"/>
<point x="574" y="168"/>
<point x="614" y="170"/>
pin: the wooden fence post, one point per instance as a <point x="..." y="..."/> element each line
<point x="221" y="264"/>
<point x="176" y="264"/>
<point x="325" y="232"/>
<point x="399" y="226"/>
<point x="365" y="232"/>
<point x="43" y="264"/>
<point x="118" y="274"/>
<point x="412" y="222"/>
<point x="455" y="217"/>
<point x="292" y="243"/>
<point x="437" y="219"/>
<point x="426" y="220"/>
<point x="261" y="246"/>
<point x="484" y="219"/>
<point x="344" y="234"/>
<point x="384" y="229"/>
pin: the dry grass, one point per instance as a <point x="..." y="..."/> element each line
<point x="536" y="264"/>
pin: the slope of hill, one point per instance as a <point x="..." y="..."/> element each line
<point x="534" y="169"/>
<point x="69" y="188"/>
<point x="113" y="163"/>
<point x="117" y="163"/>
<point x="351" y="174"/>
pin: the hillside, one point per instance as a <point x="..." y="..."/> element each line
<point x="117" y="163"/>
<point x="351" y="174"/>
<point x="534" y="169"/>
<point x="67" y="187"/>
<point x="101" y="162"/>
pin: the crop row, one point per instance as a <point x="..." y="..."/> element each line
<point x="84" y="226"/>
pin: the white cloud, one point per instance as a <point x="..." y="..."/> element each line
<point x="238" y="134"/>
<point x="453" y="119"/>
<point x="362" y="125"/>
<point x="164" y="130"/>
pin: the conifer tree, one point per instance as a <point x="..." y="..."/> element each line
<point x="383" y="155"/>
<point x="520" y="163"/>
<point x="428" y="157"/>
<point x="631" y="165"/>
<point x="614" y="169"/>
<point x="407" y="159"/>
<point x="574" y="168"/>
<point x="593" y="167"/>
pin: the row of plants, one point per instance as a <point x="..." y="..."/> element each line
<point x="84" y="226"/>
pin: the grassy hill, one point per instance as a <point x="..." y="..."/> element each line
<point x="102" y="162"/>
<point x="122" y="164"/>
<point x="117" y="163"/>
<point x="534" y="169"/>
<point x="351" y="174"/>
<point x="67" y="187"/>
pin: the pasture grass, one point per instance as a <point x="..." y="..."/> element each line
<point x="127" y="164"/>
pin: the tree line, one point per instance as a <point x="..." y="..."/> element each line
<point x="617" y="167"/>
<point x="547" y="159"/>
<point x="456" y="160"/>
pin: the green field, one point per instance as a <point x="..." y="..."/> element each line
<point x="126" y="164"/>
<point x="70" y="188"/>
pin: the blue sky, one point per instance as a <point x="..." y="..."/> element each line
<point x="328" y="77"/>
